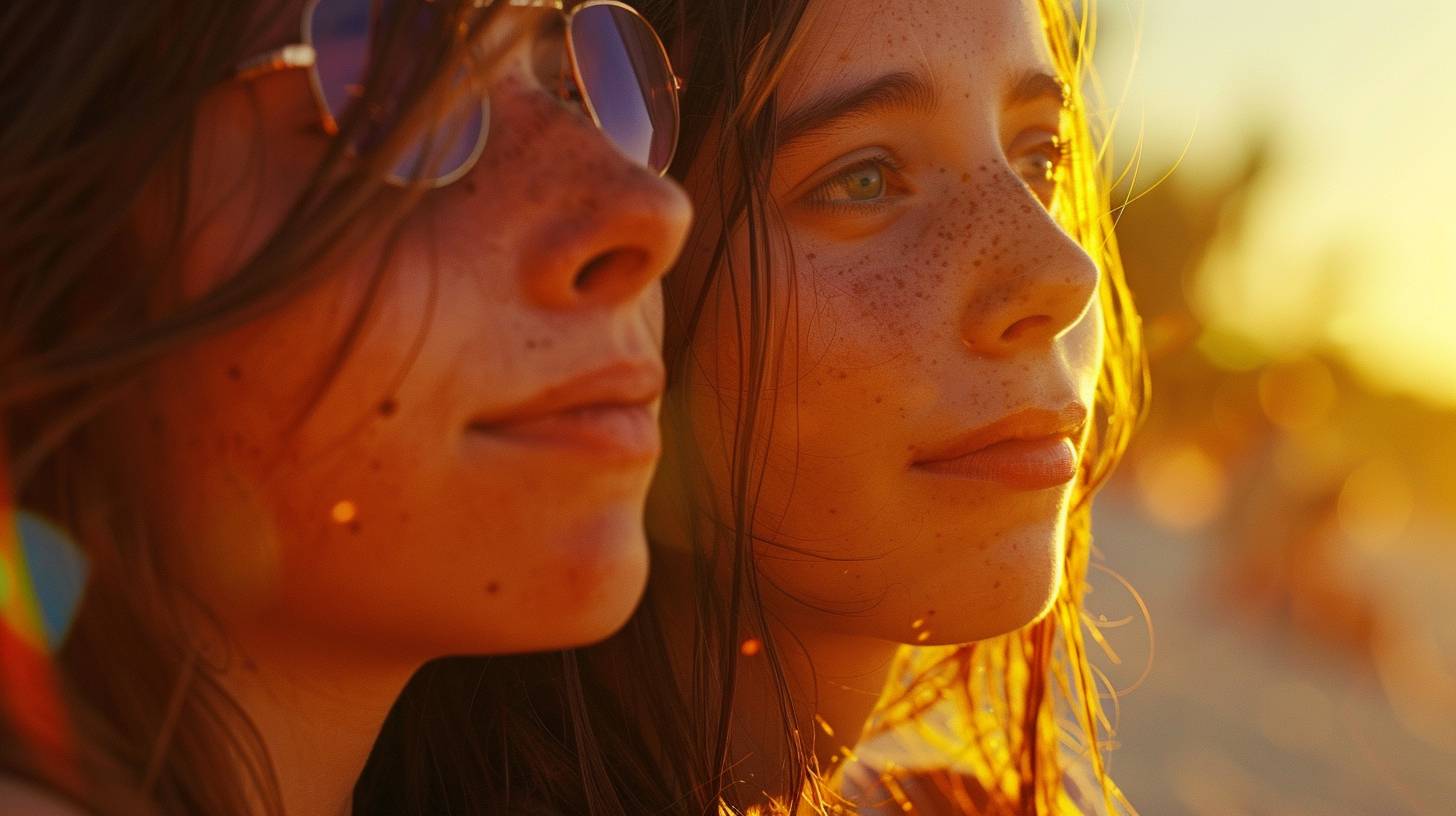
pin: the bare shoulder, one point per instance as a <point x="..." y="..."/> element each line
<point x="19" y="796"/>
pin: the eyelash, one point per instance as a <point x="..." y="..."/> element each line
<point x="819" y="196"/>
<point x="1059" y="153"/>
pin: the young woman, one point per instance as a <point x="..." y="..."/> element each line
<point x="330" y="360"/>
<point x="902" y="358"/>
<point x="895" y="388"/>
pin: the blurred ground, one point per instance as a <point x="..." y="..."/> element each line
<point x="1290" y="522"/>
<point x="1241" y="715"/>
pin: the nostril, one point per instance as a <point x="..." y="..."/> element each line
<point x="591" y="271"/>
<point x="1023" y="327"/>
<point x="602" y="271"/>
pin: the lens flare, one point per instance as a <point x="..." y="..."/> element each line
<point x="30" y="697"/>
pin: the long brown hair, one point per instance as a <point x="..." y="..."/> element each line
<point x="609" y="729"/>
<point x="97" y="111"/>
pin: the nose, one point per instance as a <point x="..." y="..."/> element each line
<point x="612" y="227"/>
<point x="1034" y="282"/>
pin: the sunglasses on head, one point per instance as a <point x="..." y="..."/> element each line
<point x="614" y="59"/>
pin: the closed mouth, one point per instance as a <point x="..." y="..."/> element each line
<point x="609" y="414"/>
<point x="1032" y="449"/>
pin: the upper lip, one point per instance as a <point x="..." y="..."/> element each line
<point x="1028" y="423"/>
<point x="627" y="383"/>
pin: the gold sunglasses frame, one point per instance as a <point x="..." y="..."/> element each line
<point x="303" y="56"/>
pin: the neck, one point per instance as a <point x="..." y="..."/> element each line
<point x="833" y="681"/>
<point x="318" y="710"/>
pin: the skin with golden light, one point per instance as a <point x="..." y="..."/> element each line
<point x="473" y="478"/>
<point x="942" y="341"/>
<point x="936" y="295"/>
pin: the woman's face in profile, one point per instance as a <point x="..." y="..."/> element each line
<point x="472" y="478"/>
<point x="943" y="337"/>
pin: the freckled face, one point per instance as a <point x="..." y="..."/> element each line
<point x="937" y="311"/>
<point x="424" y="506"/>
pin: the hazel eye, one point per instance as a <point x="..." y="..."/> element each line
<point x="864" y="184"/>
<point x="1040" y="161"/>
<point x="867" y="182"/>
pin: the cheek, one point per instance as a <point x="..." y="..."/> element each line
<point x="219" y="419"/>
<point x="839" y="385"/>
<point x="888" y="310"/>
<point x="1085" y="348"/>
<point x="872" y="338"/>
<point x="349" y="505"/>
<point x="266" y="441"/>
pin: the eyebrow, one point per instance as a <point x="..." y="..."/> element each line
<point x="901" y="90"/>
<point x="1034" y="86"/>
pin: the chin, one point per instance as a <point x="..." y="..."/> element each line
<point x="1038" y="555"/>
<point x="1014" y="611"/>
<point x="1020" y="608"/>
<point x="1005" y="588"/>
<point x="600" y="578"/>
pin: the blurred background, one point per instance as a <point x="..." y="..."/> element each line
<point x="1288" y="513"/>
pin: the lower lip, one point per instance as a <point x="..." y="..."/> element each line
<point x="1022" y="464"/>
<point x="610" y="433"/>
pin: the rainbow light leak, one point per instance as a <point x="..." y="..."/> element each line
<point x="29" y="691"/>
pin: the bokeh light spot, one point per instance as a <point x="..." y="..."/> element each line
<point x="1376" y="504"/>
<point x="345" y="512"/>
<point x="1297" y="396"/>
<point x="1182" y="487"/>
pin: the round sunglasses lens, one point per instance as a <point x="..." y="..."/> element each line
<point x="347" y="36"/>
<point x="627" y="82"/>
<point x="447" y="149"/>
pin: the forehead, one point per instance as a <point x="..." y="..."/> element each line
<point x="965" y="45"/>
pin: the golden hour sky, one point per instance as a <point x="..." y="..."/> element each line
<point x="1352" y="240"/>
